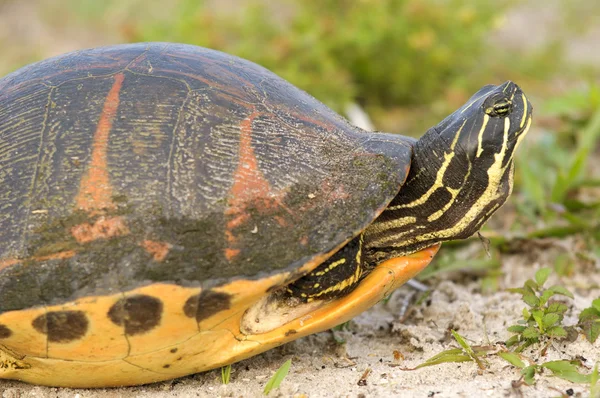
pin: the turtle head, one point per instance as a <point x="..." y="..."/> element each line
<point x="485" y="130"/>
<point x="461" y="172"/>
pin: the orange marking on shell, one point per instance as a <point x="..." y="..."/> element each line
<point x="54" y="256"/>
<point x="229" y="236"/>
<point x="249" y="182"/>
<point x="239" y="220"/>
<point x="325" y="124"/>
<point x="9" y="262"/>
<point x="249" y="187"/>
<point x="231" y="253"/>
<point x="95" y="190"/>
<point x="158" y="250"/>
<point x="281" y="221"/>
<point x="102" y="228"/>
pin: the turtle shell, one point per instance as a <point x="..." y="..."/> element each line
<point x="152" y="191"/>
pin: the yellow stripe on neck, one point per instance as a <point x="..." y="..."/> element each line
<point x="438" y="178"/>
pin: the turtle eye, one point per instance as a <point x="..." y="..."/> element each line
<point x="497" y="106"/>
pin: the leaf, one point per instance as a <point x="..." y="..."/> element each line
<point x="596" y="304"/>
<point x="541" y="276"/>
<point x="566" y="370"/>
<point x="538" y="315"/>
<point x="556" y="331"/>
<point x="558" y="289"/>
<point x="550" y="319"/>
<point x="512" y="340"/>
<point x="557" y="307"/>
<point x="531" y="299"/>
<point x="278" y="377"/>
<point x="529" y="374"/>
<point x="516" y="328"/>
<point x="545" y="296"/>
<point x="531" y="333"/>
<point x="530" y="286"/>
<point x="589" y="313"/>
<point x="512" y="358"/>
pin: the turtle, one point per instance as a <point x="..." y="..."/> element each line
<point x="167" y="209"/>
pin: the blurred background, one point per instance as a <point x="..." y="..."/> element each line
<point x="407" y="64"/>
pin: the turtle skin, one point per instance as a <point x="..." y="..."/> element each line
<point x="151" y="193"/>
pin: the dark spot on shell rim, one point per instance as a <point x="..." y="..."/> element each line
<point x="5" y="332"/>
<point x="173" y="350"/>
<point x="137" y="314"/>
<point x="167" y="366"/>
<point x="62" y="326"/>
<point x="206" y="304"/>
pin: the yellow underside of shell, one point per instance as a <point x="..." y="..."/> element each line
<point x="179" y="345"/>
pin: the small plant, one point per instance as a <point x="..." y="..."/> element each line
<point x="226" y="374"/>
<point x="567" y="370"/>
<point x="543" y="320"/>
<point x="278" y="377"/>
<point x="464" y="354"/>
<point x="589" y="321"/>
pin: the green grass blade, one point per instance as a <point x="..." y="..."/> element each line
<point x="278" y="377"/>
<point x="594" y="386"/>
<point x="225" y="374"/>
<point x="467" y="348"/>
<point x="453" y="355"/>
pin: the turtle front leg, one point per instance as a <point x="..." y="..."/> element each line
<point x="336" y="277"/>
